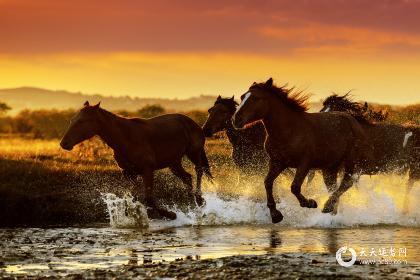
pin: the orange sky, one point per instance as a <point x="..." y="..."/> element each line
<point x="185" y="48"/>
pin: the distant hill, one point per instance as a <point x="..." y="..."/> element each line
<point x="37" y="98"/>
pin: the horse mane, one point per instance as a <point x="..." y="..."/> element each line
<point x="297" y="100"/>
<point x="116" y="116"/>
<point x="360" y="112"/>
<point x="228" y="102"/>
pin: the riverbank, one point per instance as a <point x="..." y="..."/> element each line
<point x="271" y="266"/>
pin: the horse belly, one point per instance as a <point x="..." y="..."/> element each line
<point x="167" y="154"/>
<point x="330" y="151"/>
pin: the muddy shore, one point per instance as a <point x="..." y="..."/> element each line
<point x="269" y="266"/>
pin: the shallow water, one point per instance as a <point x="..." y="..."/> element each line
<point x="70" y="250"/>
<point x="370" y="218"/>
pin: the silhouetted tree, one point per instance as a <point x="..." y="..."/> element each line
<point x="4" y="108"/>
<point x="150" y="111"/>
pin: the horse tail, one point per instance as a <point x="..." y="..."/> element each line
<point x="206" y="165"/>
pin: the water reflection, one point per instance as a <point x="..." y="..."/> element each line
<point x="72" y="249"/>
<point x="331" y="241"/>
<point x="274" y="240"/>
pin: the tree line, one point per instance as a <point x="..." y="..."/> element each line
<point x="51" y="124"/>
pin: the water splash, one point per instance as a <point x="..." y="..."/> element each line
<point x="125" y="212"/>
<point x="374" y="201"/>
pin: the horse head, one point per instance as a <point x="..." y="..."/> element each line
<point x="84" y="125"/>
<point x="220" y="115"/>
<point x="254" y="104"/>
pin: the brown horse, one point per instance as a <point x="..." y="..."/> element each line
<point x="302" y="140"/>
<point x="396" y="147"/>
<point x="142" y="146"/>
<point x="248" y="151"/>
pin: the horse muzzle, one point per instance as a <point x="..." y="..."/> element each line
<point x="207" y="132"/>
<point x="66" y="146"/>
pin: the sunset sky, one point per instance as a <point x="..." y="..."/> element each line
<point x="187" y="48"/>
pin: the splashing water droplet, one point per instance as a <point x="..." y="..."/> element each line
<point x="125" y="212"/>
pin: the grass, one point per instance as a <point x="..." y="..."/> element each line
<point x="42" y="184"/>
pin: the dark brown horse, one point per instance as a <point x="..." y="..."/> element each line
<point x="396" y="147"/>
<point x="142" y="146"/>
<point x="302" y="140"/>
<point x="248" y="152"/>
<point x="344" y="103"/>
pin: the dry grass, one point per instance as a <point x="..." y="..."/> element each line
<point x="41" y="183"/>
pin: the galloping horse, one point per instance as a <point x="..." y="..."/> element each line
<point x="344" y="103"/>
<point x="142" y="146"/>
<point x="302" y="140"/>
<point x="396" y="147"/>
<point x="247" y="144"/>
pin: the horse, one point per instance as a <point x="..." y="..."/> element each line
<point x="396" y="147"/>
<point x="142" y="146"/>
<point x="344" y="103"/>
<point x="360" y="112"/>
<point x="302" y="140"/>
<point x="248" y="152"/>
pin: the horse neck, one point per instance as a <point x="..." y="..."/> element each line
<point x="231" y="133"/>
<point x="282" y="121"/>
<point x="110" y="130"/>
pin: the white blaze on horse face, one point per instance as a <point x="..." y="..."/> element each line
<point x="327" y="109"/>
<point x="247" y="95"/>
<point x="406" y="136"/>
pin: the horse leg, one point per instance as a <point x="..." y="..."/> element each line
<point x="131" y="177"/>
<point x="310" y="178"/>
<point x="273" y="172"/>
<point x="330" y="179"/>
<point x="197" y="159"/>
<point x="413" y="176"/>
<point x="186" y="178"/>
<point x="346" y="183"/>
<point x="300" y="175"/>
<point x="150" y="201"/>
<point x="198" y="196"/>
<point x="406" y="204"/>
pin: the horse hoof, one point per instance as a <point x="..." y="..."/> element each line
<point x="171" y="215"/>
<point x="167" y="214"/>
<point x="276" y="217"/>
<point x="330" y="205"/>
<point x="199" y="200"/>
<point x="328" y="208"/>
<point x="312" y="203"/>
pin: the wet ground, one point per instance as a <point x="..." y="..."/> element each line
<point x="76" y="251"/>
<point x="230" y="237"/>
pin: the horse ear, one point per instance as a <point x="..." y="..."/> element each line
<point x="219" y="97"/>
<point x="97" y="105"/>
<point x="269" y="82"/>
<point x="86" y="104"/>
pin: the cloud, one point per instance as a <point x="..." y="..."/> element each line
<point x="321" y="38"/>
<point x="281" y="27"/>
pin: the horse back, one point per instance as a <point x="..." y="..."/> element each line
<point x="339" y="135"/>
<point x="175" y="128"/>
